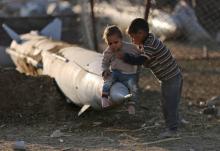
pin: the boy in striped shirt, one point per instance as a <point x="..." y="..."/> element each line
<point x="156" y="56"/>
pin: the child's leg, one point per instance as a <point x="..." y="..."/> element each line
<point x="171" y="93"/>
<point x="131" y="84"/>
<point x="105" y="92"/>
<point x="108" y="83"/>
<point x="133" y="88"/>
<point x="106" y="87"/>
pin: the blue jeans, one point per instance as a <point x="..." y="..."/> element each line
<point x="129" y="80"/>
<point x="171" y="92"/>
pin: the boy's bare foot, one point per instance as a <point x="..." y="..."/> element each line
<point x="105" y="102"/>
<point x="131" y="109"/>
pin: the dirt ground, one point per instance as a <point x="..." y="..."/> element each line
<point x="32" y="108"/>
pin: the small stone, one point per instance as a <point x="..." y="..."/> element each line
<point x="143" y="125"/>
<point x="3" y="125"/>
<point x="97" y="123"/>
<point x="183" y="121"/>
<point x="157" y="124"/>
<point x="205" y="52"/>
<point x="56" y="133"/>
<point x="61" y="140"/>
<point x="201" y="103"/>
<point x="19" y="145"/>
<point x="147" y="87"/>
<point x="190" y="103"/>
<point x="209" y="117"/>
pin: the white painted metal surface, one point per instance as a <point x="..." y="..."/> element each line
<point x="76" y="70"/>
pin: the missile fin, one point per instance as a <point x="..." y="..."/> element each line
<point x="12" y="33"/>
<point x="83" y="109"/>
<point x="53" y="29"/>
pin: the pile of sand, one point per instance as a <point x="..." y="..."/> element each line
<point x="26" y="98"/>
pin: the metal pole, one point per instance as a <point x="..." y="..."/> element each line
<point x="147" y="10"/>
<point x="94" y="25"/>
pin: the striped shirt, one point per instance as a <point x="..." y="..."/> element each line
<point x="159" y="59"/>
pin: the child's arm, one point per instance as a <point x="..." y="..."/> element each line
<point x="134" y="59"/>
<point x="107" y="55"/>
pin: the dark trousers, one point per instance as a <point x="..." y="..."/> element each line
<point x="171" y="93"/>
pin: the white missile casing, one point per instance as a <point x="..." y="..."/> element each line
<point x="77" y="71"/>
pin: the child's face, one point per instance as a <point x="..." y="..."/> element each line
<point x="114" y="42"/>
<point x="138" y="38"/>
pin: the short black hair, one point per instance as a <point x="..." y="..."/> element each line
<point x="136" y="25"/>
<point x="111" y="30"/>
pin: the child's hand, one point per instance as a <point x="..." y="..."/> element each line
<point x="106" y="74"/>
